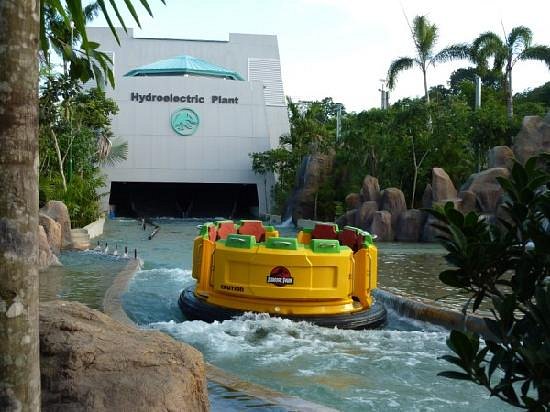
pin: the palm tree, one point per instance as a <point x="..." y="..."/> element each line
<point x="424" y="35"/>
<point x="506" y="52"/>
<point x="19" y="372"/>
<point x="63" y="38"/>
<point x="22" y="29"/>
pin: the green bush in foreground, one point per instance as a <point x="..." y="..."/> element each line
<point x="507" y="263"/>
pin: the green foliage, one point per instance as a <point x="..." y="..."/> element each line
<point x="539" y="96"/>
<point x="401" y="145"/>
<point x="424" y="35"/>
<point x="509" y="264"/>
<point x="63" y="26"/>
<point x="382" y="143"/>
<point x="505" y="52"/>
<point x="81" y="198"/>
<point x="78" y="123"/>
<point x="311" y="130"/>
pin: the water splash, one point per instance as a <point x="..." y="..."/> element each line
<point x="349" y="370"/>
<point x="287" y="223"/>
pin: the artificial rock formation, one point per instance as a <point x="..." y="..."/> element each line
<point x="314" y="170"/>
<point x="382" y="226"/>
<point x="500" y="156"/>
<point x="427" y="197"/>
<point x="353" y="201"/>
<point x="429" y="232"/>
<point x="410" y="226"/>
<point x="393" y="200"/>
<point x="53" y="232"/>
<point x="90" y="362"/>
<point x="370" y="190"/>
<point x="486" y="188"/>
<point x="468" y="201"/>
<point x="533" y="138"/>
<point x="350" y="217"/>
<point x="59" y="212"/>
<point x="46" y="257"/>
<point x="442" y="185"/>
<point x="365" y="214"/>
<point x="481" y="192"/>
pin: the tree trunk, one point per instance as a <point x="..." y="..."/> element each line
<point x="59" y="160"/>
<point x="19" y="358"/>
<point x="426" y="94"/>
<point x="415" y="178"/>
<point x="509" y="97"/>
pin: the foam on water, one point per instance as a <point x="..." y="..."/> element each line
<point x="349" y="370"/>
<point x="153" y="294"/>
<point x="393" y="368"/>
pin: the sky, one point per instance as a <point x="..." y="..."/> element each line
<point x="343" y="48"/>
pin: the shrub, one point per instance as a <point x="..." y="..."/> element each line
<point x="508" y="263"/>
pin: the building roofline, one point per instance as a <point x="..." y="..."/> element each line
<point x="178" y="39"/>
<point x="131" y="33"/>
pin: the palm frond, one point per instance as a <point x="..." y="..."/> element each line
<point x="63" y="20"/>
<point x="485" y="40"/>
<point x="519" y="39"/>
<point x="453" y="52"/>
<point x="91" y="11"/>
<point x="424" y="36"/>
<point x="402" y="63"/>
<point x="118" y="152"/>
<point x="488" y="45"/>
<point x="541" y="53"/>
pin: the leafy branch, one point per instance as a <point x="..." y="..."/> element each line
<point x="508" y="263"/>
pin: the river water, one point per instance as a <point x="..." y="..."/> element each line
<point x="392" y="368"/>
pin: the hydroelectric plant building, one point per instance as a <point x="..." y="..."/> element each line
<point x="192" y="111"/>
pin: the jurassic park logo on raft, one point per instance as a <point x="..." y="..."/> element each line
<point x="280" y="276"/>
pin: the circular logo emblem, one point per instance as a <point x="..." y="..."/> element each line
<point x="184" y="122"/>
<point x="280" y="276"/>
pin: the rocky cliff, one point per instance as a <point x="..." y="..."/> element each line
<point x="90" y="362"/>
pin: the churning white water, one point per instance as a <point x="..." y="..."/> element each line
<point x="393" y="368"/>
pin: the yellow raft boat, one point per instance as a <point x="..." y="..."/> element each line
<point x="324" y="275"/>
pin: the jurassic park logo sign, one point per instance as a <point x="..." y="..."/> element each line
<point x="280" y="276"/>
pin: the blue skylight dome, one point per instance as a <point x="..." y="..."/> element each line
<point x="184" y="65"/>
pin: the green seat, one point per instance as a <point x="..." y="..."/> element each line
<point x="284" y="243"/>
<point x="241" y="241"/>
<point x="325" y="245"/>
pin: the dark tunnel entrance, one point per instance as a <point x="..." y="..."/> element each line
<point x="184" y="200"/>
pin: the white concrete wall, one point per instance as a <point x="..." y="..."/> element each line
<point x="219" y="150"/>
<point x="95" y="228"/>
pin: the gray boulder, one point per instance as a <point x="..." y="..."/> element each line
<point x="353" y="201"/>
<point x="365" y="214"/>
<point x="486" y="188"/>
<point x="468" y="199"/>
<point x="501" y="156"/>
<point x="58" y="212"/>
<point x="393" y="201"/>
<point x="90" y="362"/>
<point x="370" y="190"/>
<point x="350" y="218"/>
<point x="429" y="232"/>
<point x="533" y="138"/>
<point x="315" y="169"/>
<point x="442" y="185"/>
<point x="381" y="226"/>
<point x="427" y="197"/>
<point x="410" y="225"/>
<point x="341" y="221"/>
<point x="53" y="232"/>
<point x="45" y="256"/>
